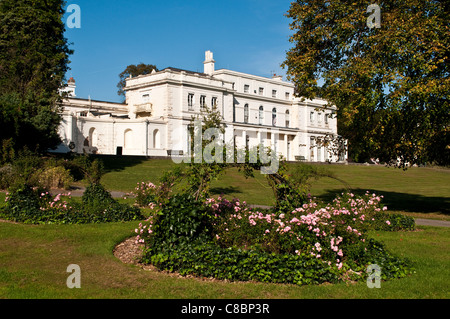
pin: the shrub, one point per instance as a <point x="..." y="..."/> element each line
<point x="53" y="178"/>
<point x="36" y="206"/>
<point x="6" y="176"/>
<point x="311" y="244"/>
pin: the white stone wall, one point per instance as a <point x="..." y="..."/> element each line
<point x="155" y="117"/>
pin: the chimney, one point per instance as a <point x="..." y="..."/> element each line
<point x="277" y="77"/>
<point x="209" y="63"/>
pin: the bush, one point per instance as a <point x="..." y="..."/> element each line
<point x="6" y="176"/>
<point x="36" y="206"/>
<point x="53" y="178"/>
<point x="228" y="240"/>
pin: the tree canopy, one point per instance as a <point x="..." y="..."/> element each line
<point x="133" y="70"/>
<point x="34" y="58"/>
<point x="390" y="83"/>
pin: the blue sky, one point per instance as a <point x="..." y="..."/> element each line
<point x="250" y="36"/>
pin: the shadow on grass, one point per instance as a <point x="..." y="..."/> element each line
<point x="115" y="163"/>
<point x="225" y="190"/>
<point x="400" y="201"/>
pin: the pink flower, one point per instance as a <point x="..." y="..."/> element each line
<point x="388" y="222"/>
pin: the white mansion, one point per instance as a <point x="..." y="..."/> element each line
<point x="159" y="107"/>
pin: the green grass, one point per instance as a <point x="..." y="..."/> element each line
<point x="34" y="260"/>
<point x="423" y="192"/>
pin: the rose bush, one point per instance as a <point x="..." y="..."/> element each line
<point x="333" y="238"/>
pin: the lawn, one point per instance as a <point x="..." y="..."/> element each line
<point x="34" y="259"/>
<point x="419" y="191"/>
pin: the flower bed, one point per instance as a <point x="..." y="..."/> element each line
<point x="227" y="239"/>
<point x="33" y="205"/>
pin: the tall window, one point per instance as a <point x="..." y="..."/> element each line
<point x="274" y="117"/>
<point x="191" y="101"/>
<point x="326" y="118"/>
<point x="287" y="118"/>
<point x="203" y="101"/>
<point x="214" y="102"/>
<point x="261" y="91"/>
<point x="246" y="113"/>
<point x="287" y="96"/>
<point x="319" y="117"/>
<point x="311" y="117"/>
<point x="246" y="88"/>
<point x="261" y="115"/>
<point x="274" y="93"/>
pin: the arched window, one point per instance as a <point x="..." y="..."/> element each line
<point x="287" y="118"/>
<point x="246" y="113"/>
<point x="128" y="139"/>
<point x="156" y="139"/>
<point x="261" y="115"/>
<point x="274" y="117"/>
<point x="93" y="137"/>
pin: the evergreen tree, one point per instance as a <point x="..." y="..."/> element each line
<point x="34" y="57"/>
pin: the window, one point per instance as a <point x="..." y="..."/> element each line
<point x="214" y="102"/>
<point x="311" y="116"/>
<point x="145" y="98"/>
<point x="246" y="113"/>
<point x="246" y="88"/>
<point x="326" y="118"/>
<point x="287" y="118"/>
<point x="319" y="117"/>
<point x="287" y="95"/>
<point x="261" y="91"/>
<point x="261" y="115"/>
<point x="274" y="93"/>
<point x="191" y="101"/>
<point x="274" y="117"/>
<point x="203" y="101"/>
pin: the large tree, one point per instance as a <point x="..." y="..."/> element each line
<point x="390" y="82"/>
<point x="33" y="62"/>
<point x="133" y="70"/>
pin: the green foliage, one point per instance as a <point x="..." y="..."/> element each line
<point x="209" y="260"/>
<point x="34" y="58"/>
<point x="228" y="240"/>
<point x="36" y="206"/>
<point x="133" y="70"/>
<point x="390" y="84"/>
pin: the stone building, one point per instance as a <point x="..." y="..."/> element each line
<point x="159" y="107"/>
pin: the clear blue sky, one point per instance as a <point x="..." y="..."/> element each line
<point x="250" y="36"/>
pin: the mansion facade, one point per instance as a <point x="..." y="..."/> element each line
<point x="159" y="107"/>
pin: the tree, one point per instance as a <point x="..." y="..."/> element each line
<point x="133" y="70"/>
<point x="390" y="84"/>
<point x="34" y="58"/>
